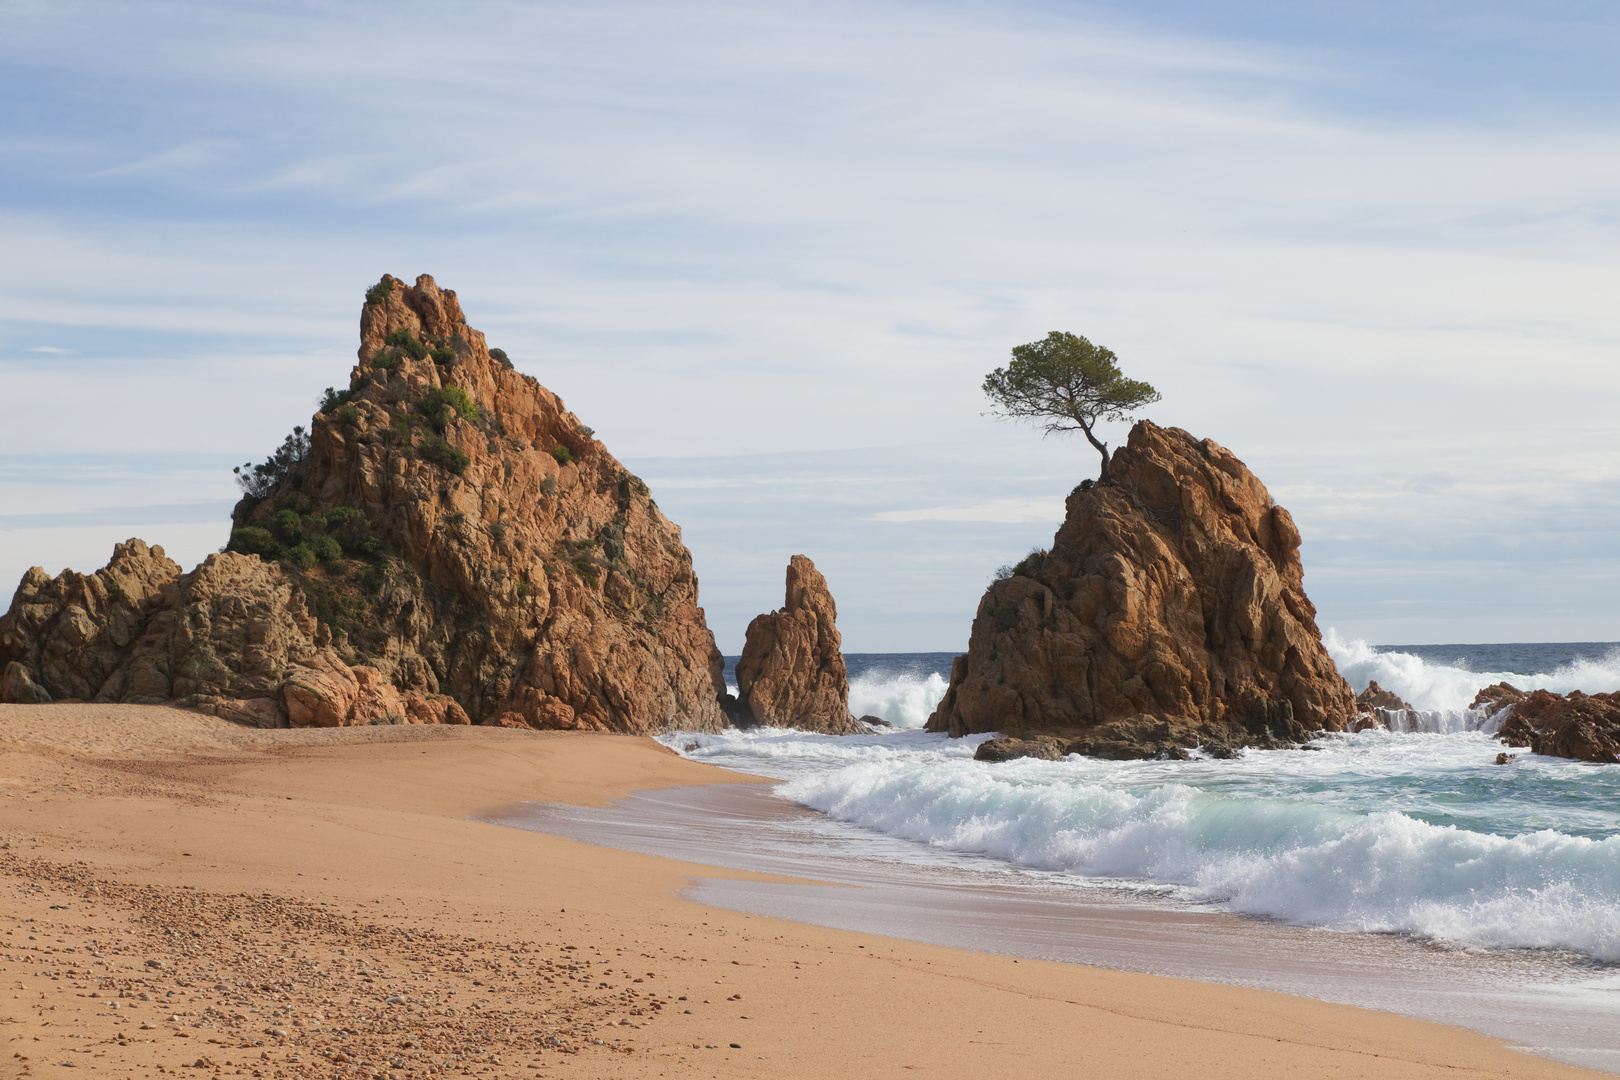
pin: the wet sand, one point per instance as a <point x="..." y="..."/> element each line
<point x="324" y="903"/>
<point x="1561" y="1006"/>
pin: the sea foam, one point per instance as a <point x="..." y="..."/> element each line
<point x="1412" y="830"/>
<point x="1450" y="688"/>
<point x="905" y="699"/>
<point x="1296" y="860"/>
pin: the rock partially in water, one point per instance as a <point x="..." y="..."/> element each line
<point x="1042" y="748"/>
<point x="1380" y="708"/>
<point x="1270" y="726"/>
<point x="792" y="673"/>
<point x="1169" y="613"/>
<point x="1585" y="727"/>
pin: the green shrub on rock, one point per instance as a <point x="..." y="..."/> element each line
<point x="257" y="481"/>
<point x="301" y="556"/>
<point x="406" y="342"/>
<point x="335" y="399"/>
<point x="288" y="527"/>
<point x="254" y="541"/>
<point x="435" y="449"/>
<point x="447" y="401"/>
<point x="326" y="549"/>
<point x="563" y="455"/>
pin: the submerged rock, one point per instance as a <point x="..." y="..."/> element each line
<point x="1170" y="613"/>
<point x="449" y="544"/>
<point x="792" y="673"/>
<point x="1585" y="727"/>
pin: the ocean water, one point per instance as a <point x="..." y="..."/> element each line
<point x="1414" y="832"/>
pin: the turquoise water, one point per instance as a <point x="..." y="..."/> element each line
<point x="1418" y="833"/>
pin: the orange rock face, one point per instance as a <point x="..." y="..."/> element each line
<point x="791" y="673"/>
<point x="1585" y="727"/>
<point x="70" y="636"/>
<point x="1376" y="705"/>
<point x="1171" y="601"/>
<point x="452" y="544"/>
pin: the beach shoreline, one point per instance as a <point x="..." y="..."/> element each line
<point x="324" y="902"/>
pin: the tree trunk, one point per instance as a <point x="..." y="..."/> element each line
<point x="1102" y="448"/>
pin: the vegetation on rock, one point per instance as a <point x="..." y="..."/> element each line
<point x="256" y="481"/>
<point x="1065" y="383"/>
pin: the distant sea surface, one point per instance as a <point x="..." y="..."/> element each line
<point x="903" y="688"/>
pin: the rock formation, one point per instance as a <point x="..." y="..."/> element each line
<point x="792" y="672"/>
<point x="1376" y="705"/>
<point x="1376" y="697"/>
<point x="448" y="542"/>
<point x="1585" y="727"/>
<point x="1170" y="612"/>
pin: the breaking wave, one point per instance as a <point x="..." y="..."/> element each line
<point x="1436" y="687"/>
<point x="1287" y="858"/>
<point x="1412" y="830"/>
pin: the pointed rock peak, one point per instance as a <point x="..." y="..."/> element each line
<point x="446" y="542"/>
<point x="807" y="588"/>
<point x="792" y="671"/>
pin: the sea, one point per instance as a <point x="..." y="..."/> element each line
<point x="1403" y="870"/>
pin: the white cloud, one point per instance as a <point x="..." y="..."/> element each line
<point x="723" y="232"/>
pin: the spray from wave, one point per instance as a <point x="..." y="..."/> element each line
<point x="1448" y="689"/>
<point x="905" y="699"/>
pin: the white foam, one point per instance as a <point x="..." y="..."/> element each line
<point x="903" y="699"/>
<point x="788" y="751"/>
<point x="1443" y="687"/>
<point x="1410" y="831"/>
<point x="1443" y="721"/>
<point x="1293" y="859"/>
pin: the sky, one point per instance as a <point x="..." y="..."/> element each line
<point x="769" y="251"/>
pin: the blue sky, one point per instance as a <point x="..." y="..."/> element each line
<point x="769" y="251"/>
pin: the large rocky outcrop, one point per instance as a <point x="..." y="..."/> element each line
<point x="1170" y="612"/>
<point x="1585" y="727"/>
<point x="449" y="542"/>
<point x="791" y="673"/>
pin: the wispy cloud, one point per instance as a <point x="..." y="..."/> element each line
<point x="1351" y="245"/>
<point x="1005" y="511"/>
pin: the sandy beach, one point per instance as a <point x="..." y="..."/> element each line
<point x="182" y="893"/>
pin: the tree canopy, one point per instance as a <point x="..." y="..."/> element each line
<point x="258" y="480"/>
<point x="1065" y="383"/>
